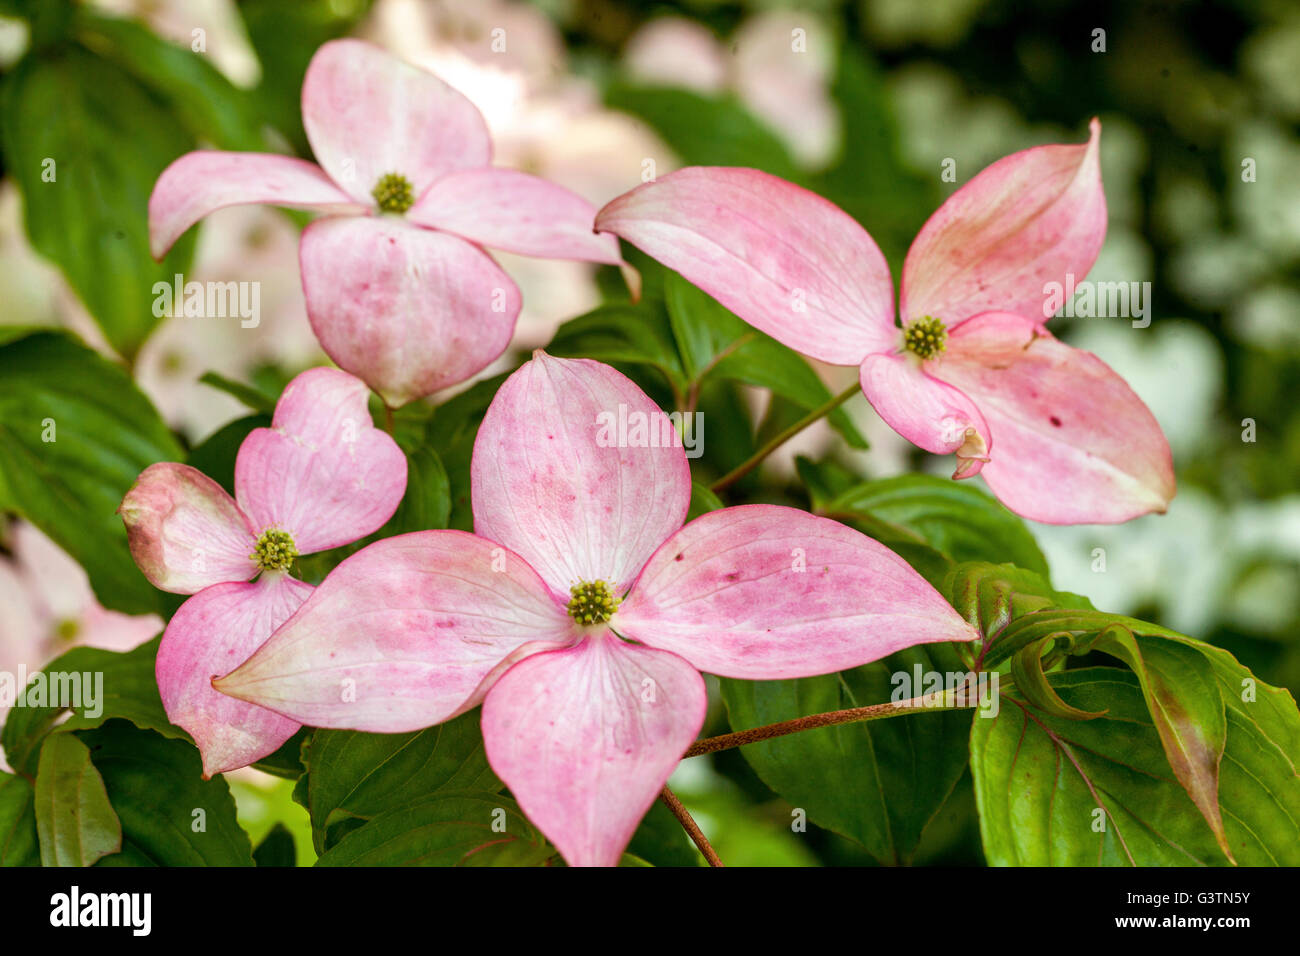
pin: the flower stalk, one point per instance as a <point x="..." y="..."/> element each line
<point x="690" y="826"/>
<point x="953" y="699"/>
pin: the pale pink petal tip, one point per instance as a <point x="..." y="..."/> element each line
<point x="202" y="182"/>
<point x="184" y="531"/>
<point x="782" y="258"/>
<point x="406" y="633"/>
<point x="1030" y="220"/>
<point x="368" y="113"/>
<point x="586" y="738"/>
<point x="763" y="592"/>
<point x="578" y="471"/>
<point x="212" y="633"/>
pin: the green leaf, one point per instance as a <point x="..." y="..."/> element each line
<point x="19" y="842"/>
<point x="953" y="517"/>
<point x="1081" y="793"/>
<point x="353" y="777"/>
<point x="1017" y="615"/>
<point x="704" y="130"/>
<point x="129" y="690"/>
<point x="1182" y="696"/>
<point x="75" y="433"/>
<point x="713" y="341"/>
<point x="455" y="828"/>
<point x="427" y="502"/>
<point x="170" y="815"/>
<point x="452" y="432"/>
<point x="74" y="818"/>
<point x="823" y="480"/>
<point x="703" y="500"/>
<point x="1031" y="680"/>
<point x="91" y="220"/>
<point x="201" y="98"/>
<point x="276" y="848"/>
<point x="1259" y="786"/>
<point x="287" y="761"/>
<point x="992" y="596"/>
<point x="878" y="782"/>
<point x="215" y="455"/>
<point x="1177" y="676"/>
<point x="623" y="334"/>
<point x="252" y="397"/>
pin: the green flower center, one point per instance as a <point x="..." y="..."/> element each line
<point x="592" y="602"/>
<point x="393" y="193"/>
<point x="926" y="337"/>
<point x="275" y="550"/>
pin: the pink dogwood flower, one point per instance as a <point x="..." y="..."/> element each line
<point x="581" y="611"/>
<point x="1059" y="437"/>
<point x="399" y="290"/>
<point x="321" y="476"/>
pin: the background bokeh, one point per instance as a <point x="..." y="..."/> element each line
<point x="864" y="102"/>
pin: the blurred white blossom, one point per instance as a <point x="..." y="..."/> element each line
<point x="47" y="607"/>
<point x="510" y="60"/>
<point x="780" y="63"/>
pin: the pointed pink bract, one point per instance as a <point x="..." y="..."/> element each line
<point x="1073" y="442"/>
<point x="403" y="635"/>
<point x="203" y="182"/>
<point x="210" y="634"/>
<point x="782" y="258"/>
<point x="586" y="738"/>
<point x="763" y="592"/>
<point x="322" y="471"/>
<point x="556" y="479"/>
<point x="1027" y="220"/>
<point x="515" y="212"/>
<point x="368" y="114"/>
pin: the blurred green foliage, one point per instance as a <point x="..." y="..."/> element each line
<point x="1199" y="103"/>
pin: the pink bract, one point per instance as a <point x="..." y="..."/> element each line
<point x="323" y="475"/>
<point x="585" y="721"/>
<point x="1058" y="436"/>
<point x="406" y="298"/>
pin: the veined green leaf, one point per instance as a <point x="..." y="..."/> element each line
<point x="75" y="433"/>
<point x="76" y="823"/>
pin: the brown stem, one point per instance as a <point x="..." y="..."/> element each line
<point x="690" y="826"/>
<point x="941" y="700"/>
<point x="772" y="444"/>
<point x="388" y="418"/>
